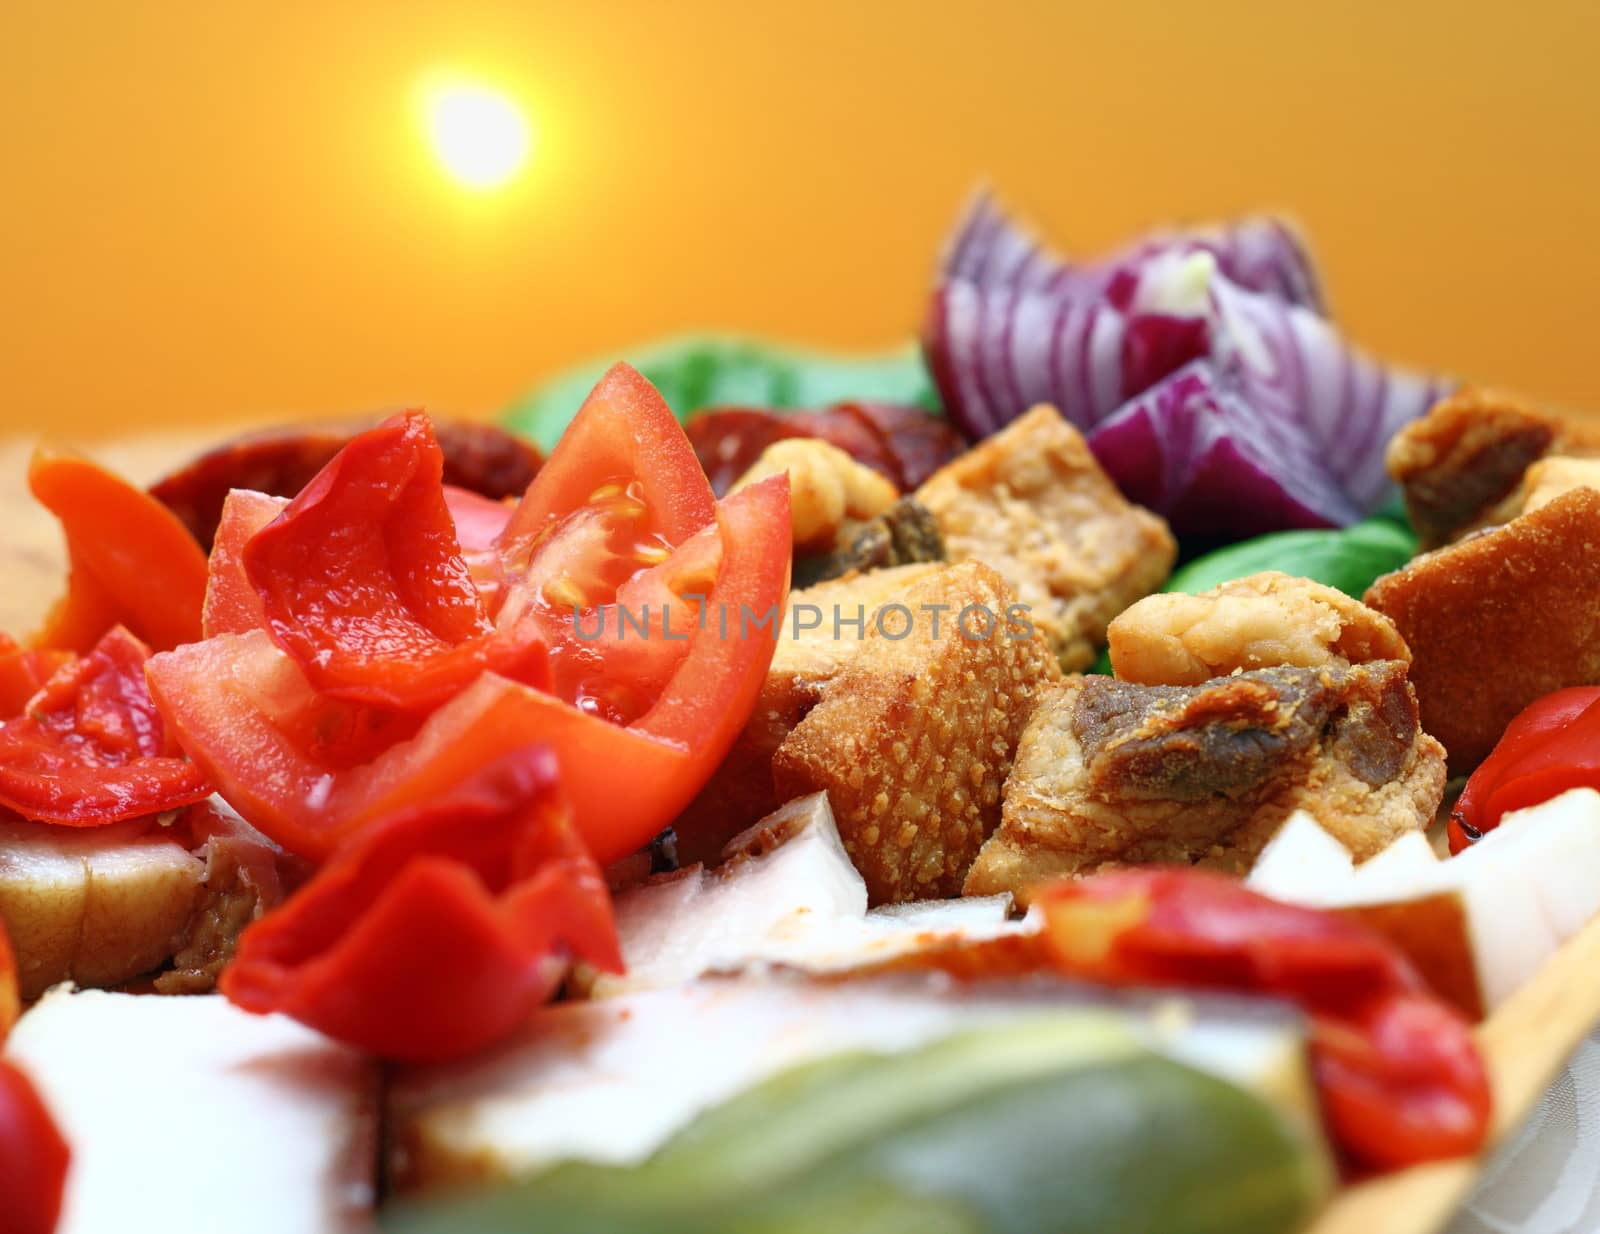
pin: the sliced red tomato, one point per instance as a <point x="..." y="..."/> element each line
<point x="1399" y="1075"/>
<point x="665" y="698"/>
<point x="232" y="605"/>
<point x="34" y="1158"/>
<point x="441" y="927"/>
<point x="624" y="434"/>
<point x="308" y="777"/>
<point x="480" y="522"/>
<point x="92" y="748"/>
<point x="1552" y="745"/>
<point x="132" y="561"/>
<point x="23" y="673"/>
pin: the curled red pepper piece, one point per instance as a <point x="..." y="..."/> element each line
<point x="132" y="562"/>
<point x="1400" y="1078"/>
<point x="1552" y="745"/>
<point x="92" y="748"/>
<point x="33" y="1156"/>
<point x="440" y="928"/>
<point x="362" y="581"/>
<point x="23" y="673"/>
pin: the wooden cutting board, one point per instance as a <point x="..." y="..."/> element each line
<point x="1527" y="1042"/>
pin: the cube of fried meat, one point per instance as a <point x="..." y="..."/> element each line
<point x="914" y="738"/>
<point x="1500" y="619"/>
<point x="1550" y="477"/>
<point x="1262" y="621"/>
<point x="823" y="629"/>
<point x="1460" y="464"/>
<point x="1032" y="502"/>
<point x="1113" y="773"/>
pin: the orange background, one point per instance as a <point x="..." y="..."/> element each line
<point x="225" y="209"/>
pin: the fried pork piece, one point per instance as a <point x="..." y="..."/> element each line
<point x="812" y="649"/>
<point x="1550" y="477"/>
<point x="827" y="488"/>
<point x="914" y="738"/>
<point x="1032" y="502"/>
<point x="1262" y="621"/>
<point x="1500" y="619"/>
<point x="1113" y="773"/>
<point x="93" y="905"/>
<point x="904" y="534"/>
<point x="244" y="879"/>
<point x="1462" y="463"/>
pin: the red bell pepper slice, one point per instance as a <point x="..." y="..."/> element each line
<point x="23" y="673"/>
<point x="439" y="929"/>
<point x="92" y="748"/>
<point x="1552" y="745"/>
<point x="132" y="561"/>
<point x="33" y="1156"/>
<point x="1400" y="1077"/>
<point x="361" y="578"/>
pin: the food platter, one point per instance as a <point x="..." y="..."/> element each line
<point x="1525" y="1043"/>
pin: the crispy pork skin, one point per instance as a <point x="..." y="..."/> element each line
<point x="1110" y="772"/>
<point x="1460" y="466"/>
<point x="1263" y="621"/>
<point x="914" y="738"/>
<point x="1499" y="620"/>
<point x="1032" y="502"/>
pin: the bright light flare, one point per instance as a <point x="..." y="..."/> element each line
<point x="479" y="135"/>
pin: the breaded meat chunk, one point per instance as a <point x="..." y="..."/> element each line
<point x="913" y="739"/>
<point x="823" y="629"/>
<point x="1261" y="621"/>
<point x="1032" y="502"/>
<point x="1550" y="477"/>
<point x="1112" y="773"/>
<point x="1461" y="463"/>
<point x="1500" y="619"/>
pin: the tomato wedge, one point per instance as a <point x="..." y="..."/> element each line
<point x="441" y="927"/>
<point x="308" y="777"/>
<point x="480" y="522"/>
<point x="92" y="748"/>
<point x="132" y="561"/>
<point x="370" y="617"/>
<point x="232" y="605"/>
<point x="623" y="433"/>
